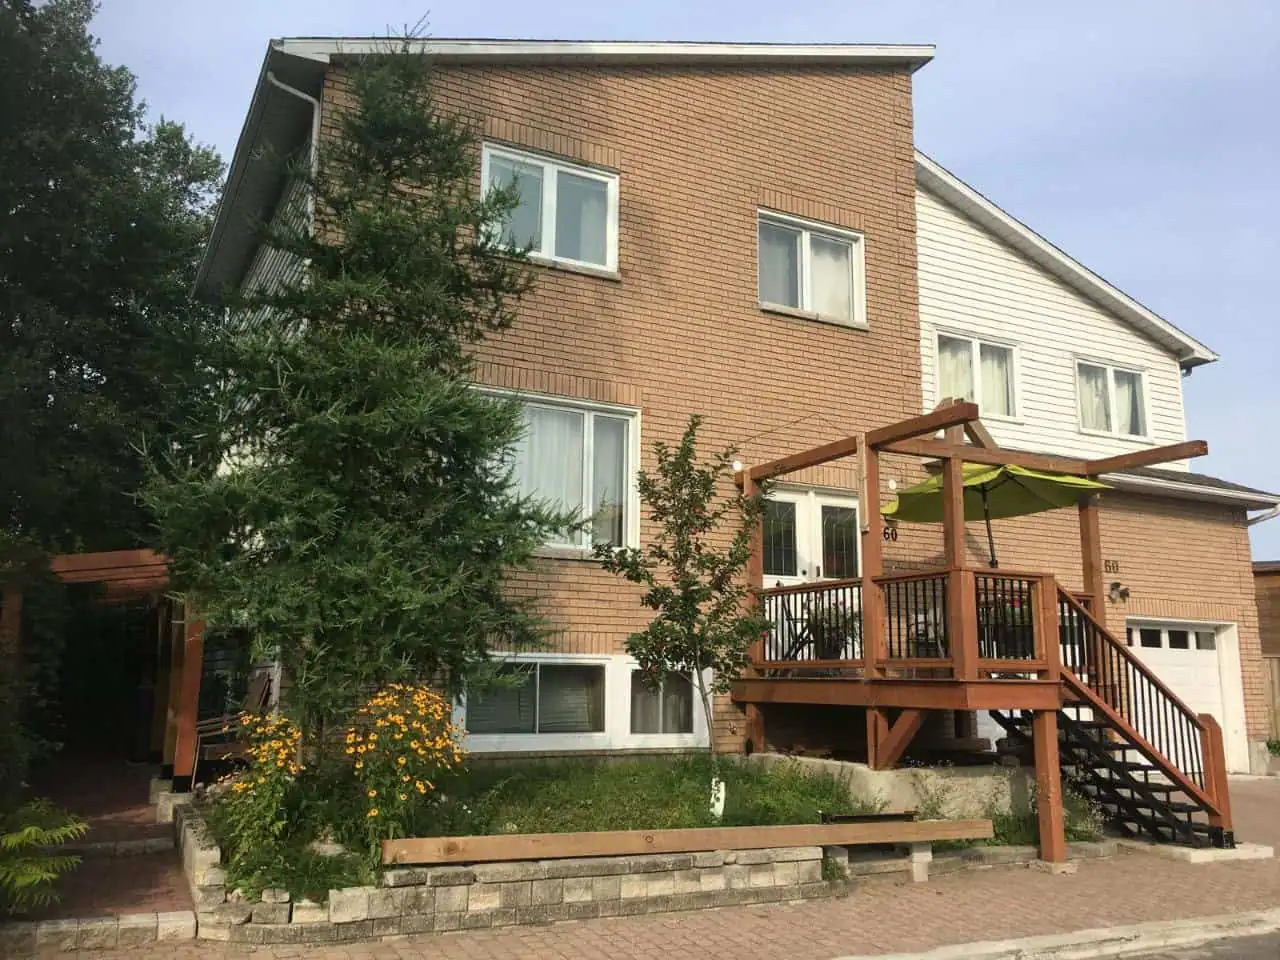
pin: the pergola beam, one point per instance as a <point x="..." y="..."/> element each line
<point x="1145" y="458"/>
<point x="813" y="457"/>
<point x="999" y="456"/>
<point x="940" y="419"/>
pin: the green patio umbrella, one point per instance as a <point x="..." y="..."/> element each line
<point x="993" y="492"/>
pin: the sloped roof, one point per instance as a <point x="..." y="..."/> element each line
<point x="942" y="183"/>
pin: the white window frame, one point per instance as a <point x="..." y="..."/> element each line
<point x="809" y="228"/>
<point x="631" y="507"/>
<point x="550" y="168"/>
<point x="1115" y="431"/>
<point x="975" y="360"/>
<point x="617" y="733"/>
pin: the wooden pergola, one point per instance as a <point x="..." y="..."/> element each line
<point x="128" y="576"/>
<point x="880" y="678"/>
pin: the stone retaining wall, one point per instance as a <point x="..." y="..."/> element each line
<point x="428" y="899"/>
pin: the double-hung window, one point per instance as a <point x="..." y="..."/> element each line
<point x="580" y="459"/>
<point x="979" y="372"/>
<point x="1112" y="400"/>
<point x="540" y="698"/>
<point x="566" y="213"/>
<point x="812" y="268"/>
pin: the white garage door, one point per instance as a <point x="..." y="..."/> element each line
<point x="1185" y="658"/>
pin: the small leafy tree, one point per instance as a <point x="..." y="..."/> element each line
<point x="693" y="571"/>
<point x="364" y="522"/>
<point x="28" y="867"/>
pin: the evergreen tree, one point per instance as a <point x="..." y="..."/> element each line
<point x="364" y="523"/>
<point x="102" y="220"/>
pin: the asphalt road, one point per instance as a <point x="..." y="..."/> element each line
<point x="1244" y="948"/>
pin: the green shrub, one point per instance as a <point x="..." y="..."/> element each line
<point x="1273" y="747"/>
<point x="28" y="871"/>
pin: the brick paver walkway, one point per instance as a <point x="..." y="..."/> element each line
<point x="879" y="917"/>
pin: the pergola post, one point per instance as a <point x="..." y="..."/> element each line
<point x="1053" y="836"/>
<point x="872" y="567"/>
<point x="755" y="735"/>
<point x="187" y="707"/>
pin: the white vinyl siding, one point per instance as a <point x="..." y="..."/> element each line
<point x="974" y="285"/>
<point x="272" y="269"/>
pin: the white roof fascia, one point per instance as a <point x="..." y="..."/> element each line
<point x="620" y="52"/>
<point x="1254" y="501"/>
<point x="936" y="179"/>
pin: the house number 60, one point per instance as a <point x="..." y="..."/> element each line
<point x="890" y="533"/>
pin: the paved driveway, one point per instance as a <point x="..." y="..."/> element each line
<point x="1252" y="948"/>
<point x="880" y="917"/>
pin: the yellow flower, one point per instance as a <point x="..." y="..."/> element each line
<point x="405" y="778"/>
<point x="373" y="812"/>
<point x="420" y="786"/>
<point x="401" y="761"/>
<point x="351" y="750"/>
<point x="373" y="793"/>
<point x="403" y="797"/>
<point x="359" y="764"/>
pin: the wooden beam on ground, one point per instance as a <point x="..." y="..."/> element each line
<point x="899" y="738"/>
<point x="957" y="413"/>
<point x="813" y="457"/>
<point x="1053" y="835"/>
<point x="1145" y="458"/>
<point x="999" y="456"/>
<point x="620" y="843"/>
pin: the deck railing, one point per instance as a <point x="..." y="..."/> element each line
<point x="915" y="607"/>
<point x="1122" y="682"/>
<point x="1007" y="611"/>
<point x="961" y="622"/>
<point x="818" y="622"/>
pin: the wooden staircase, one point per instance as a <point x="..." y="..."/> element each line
<point x="1155" y="768"/>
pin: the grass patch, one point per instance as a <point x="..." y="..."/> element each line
<point x="643" y="794"/>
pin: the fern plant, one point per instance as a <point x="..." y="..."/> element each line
<point x="28" y="867"/>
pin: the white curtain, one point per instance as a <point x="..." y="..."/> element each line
<point x="1130" y="409"/>
<point x="831" y="266"/>
<point x="997" y="379"/>
<point x="646" y="706"/>
<point x="677" y="705"/>
<point x="1095" y="398"/>
<point x="955" y="369"/>
<point x="582" y="218"/>
<point x="549" y="457"/>
<point x="779" y="265"/>
<point x="608" y="479"/>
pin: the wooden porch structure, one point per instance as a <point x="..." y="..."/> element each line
<point x="963" y="638"/>
<point x="132" y="575"/>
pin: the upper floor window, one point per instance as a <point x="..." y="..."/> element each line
<point x="812" y="268"/>
<point x="567" y="212"/>
<point x="978" y="372"/>
<point x="1111" y="400"/>
<point x="580" y="459"/>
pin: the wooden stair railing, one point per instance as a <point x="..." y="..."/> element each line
<point x="1106" y="677"/>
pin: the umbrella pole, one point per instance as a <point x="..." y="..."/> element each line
<point x="991" y="540"/>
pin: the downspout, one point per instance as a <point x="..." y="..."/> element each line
<point x="314" y="159"/>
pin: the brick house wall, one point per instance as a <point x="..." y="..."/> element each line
<point x="699" y="150"/>
<point x="678" y="330"/>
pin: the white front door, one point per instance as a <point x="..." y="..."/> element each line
<point x="809" y="535"/>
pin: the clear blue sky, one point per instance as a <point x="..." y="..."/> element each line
<point x="1141" y="136"/>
